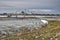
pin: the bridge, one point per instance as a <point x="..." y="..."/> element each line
<point x="28" y="15"/>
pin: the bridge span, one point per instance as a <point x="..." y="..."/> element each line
<point x="29" y="15"/>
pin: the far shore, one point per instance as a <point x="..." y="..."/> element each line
<point x="21" y="18"/>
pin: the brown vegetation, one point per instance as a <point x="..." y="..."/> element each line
<point x="49" y="32"/>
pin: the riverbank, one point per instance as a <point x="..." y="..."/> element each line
<point x="49" y="32"/>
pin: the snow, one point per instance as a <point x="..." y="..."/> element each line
<point x="14" y="25"/>
<point x="44" y="21"/>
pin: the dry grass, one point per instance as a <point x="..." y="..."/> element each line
<point x="49" y="32"/>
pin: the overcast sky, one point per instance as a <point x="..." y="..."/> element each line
<point x="13" y="5"/>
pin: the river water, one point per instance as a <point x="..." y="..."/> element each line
<point x="16" y="24"/>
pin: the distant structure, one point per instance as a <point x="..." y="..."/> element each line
<point x="23" y="13"/>
<point x="4" y="13"/>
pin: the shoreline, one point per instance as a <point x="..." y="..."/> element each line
<point x="21" y="18"/>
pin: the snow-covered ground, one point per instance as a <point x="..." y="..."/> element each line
<point x="14" y="25"/>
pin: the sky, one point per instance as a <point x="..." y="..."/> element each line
<point x="17" y="5"/>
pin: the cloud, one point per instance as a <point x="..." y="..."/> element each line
<point x="26" y="4"/>
<point x="29" y="3"/>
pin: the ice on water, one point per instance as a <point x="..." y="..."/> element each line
<point x="15" y="24"/>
